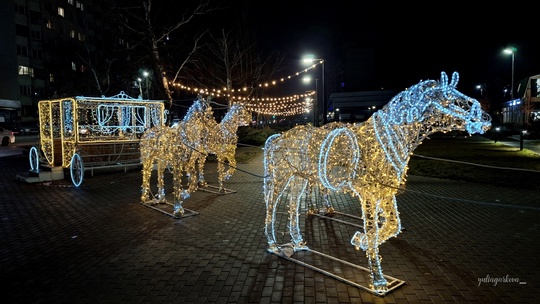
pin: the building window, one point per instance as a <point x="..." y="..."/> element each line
<point x="20" y="9"/>
<point x="49" y="24"/>
<point x="82" y="37"/>
<point x="24" y="70"/>
<point x="51" y="77"/>
<point x="60" y="11"/>
<point x="37" y="54"/>
<point x="72" y="33"/>
<point x="22" y="50"/>
<point x="73" y="66"/>
<point x="25" y="90"/>
<point x="71" y="2"/>
<point x="36" y="35"/>
<point x="80" y="6"/>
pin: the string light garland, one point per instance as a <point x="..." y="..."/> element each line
<point x="282" y="107"/>
<point x="367" y="160"/>
<point x="236" y="94"/>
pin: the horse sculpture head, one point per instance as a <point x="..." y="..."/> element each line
<point x="199" y="111"/>
<point x="456" y="110"/>
<point x="238" y="114"/>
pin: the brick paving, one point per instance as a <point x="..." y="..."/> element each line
<point x="98" y="244"/>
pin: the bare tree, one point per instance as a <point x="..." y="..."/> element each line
<point x="149" y="26"/>
<point x="232" y="61"/>
<point x="231" y="58"/>
<point x="101" y="75"/>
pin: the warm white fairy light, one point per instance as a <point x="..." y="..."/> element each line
<point x="236" y="95"/>
<point x="290" y="106"/>
<point x="76" y="123"/>
<point x="367" y="160"/>
<point x="222" y="141"/>
<point x="184" y="147"/>
<point x="177" y="148"/>
<point x="244" y="89"/>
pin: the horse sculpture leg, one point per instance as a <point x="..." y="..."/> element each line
<point x="381" y="221"/>
<point x="178" y="209"/>
<point x="145" y="188"/>
<point x="221" y="173"/>
<point x="297" y="191"/>
<point x="161" y="165"/>
<point x="201" y="160"/>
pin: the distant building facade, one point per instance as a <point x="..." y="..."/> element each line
<point x="525" y="109"/>
<point x="43" y="49"/>
<point x="357" y="106"/>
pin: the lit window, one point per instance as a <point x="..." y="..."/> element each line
<point x="73" y="66"/>
<point x="51" y="77"/>
<point x="61" y="11"/>
<point x="71" y="2"/>
<point x="24" y="70"/>
<point x="80" y="6"/>
<point x="72" y="33"/>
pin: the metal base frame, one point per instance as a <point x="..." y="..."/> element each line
<point x="393" y="283"/>
<point x="215" y="189"/>
<point x="162" y="207"/>
<point x="331" y="218"/>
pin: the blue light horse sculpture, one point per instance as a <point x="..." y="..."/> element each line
<point x="367" y="160"/>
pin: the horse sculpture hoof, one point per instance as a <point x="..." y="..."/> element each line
<point x="178" y="210"/>
<point x="329" y="211"/>
<point x="380" y="286"/>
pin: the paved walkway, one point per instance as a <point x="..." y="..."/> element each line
<point x="462" y="243"/>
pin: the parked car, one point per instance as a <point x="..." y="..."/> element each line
<point x="28" y="127"/>
<point x="7" y="136"/>
<point x="25" y="128"/>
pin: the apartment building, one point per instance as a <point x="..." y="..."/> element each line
<point x="48" y="47"/>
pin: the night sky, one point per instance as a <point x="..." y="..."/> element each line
<point x="412" y="43"/>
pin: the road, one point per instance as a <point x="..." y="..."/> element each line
<point x="20" y="146"/>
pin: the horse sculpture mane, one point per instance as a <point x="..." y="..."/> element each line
<point x="367" y="160"/>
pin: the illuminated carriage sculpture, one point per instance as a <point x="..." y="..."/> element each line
<point x="86" y="133"/>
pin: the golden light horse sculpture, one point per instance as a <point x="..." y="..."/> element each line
<point x="179" y="149"/>
<point x="222" y="141"/>
<point x="368" y="160"/>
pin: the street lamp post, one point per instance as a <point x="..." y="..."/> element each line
<point x="316" y="102"/>
<point x="511" y="51"/>
<point x="140" y="87"/>
<point x="479" y="87"/>
<point x="323" y="99"/>
<point x="146" y="83"/>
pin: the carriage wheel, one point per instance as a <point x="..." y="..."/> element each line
<point x="33" y="156"/>
<point x="76" y="168"/>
